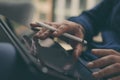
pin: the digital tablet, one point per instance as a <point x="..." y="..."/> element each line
<point x="53" y="61"/>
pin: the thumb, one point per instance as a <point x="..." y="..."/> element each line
<point x="77" y="51"/>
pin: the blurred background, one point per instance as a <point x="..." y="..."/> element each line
<point x="26" y="11"/>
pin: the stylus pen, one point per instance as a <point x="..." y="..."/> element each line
<point x="64" y="34"/>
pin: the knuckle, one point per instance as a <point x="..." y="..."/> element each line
<point x="97" y="62"/>
<point x="112" y="51"/>
<point x="117" y="65"/>
<point x="112" y="57"/>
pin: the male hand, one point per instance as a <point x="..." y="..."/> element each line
<point x="64" y="27"/>
<point x="109" y="62"/>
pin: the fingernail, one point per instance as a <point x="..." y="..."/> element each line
<point x="55" y="33"/>
<point x="95" y="74"/>
<point x="94" y="50"/>
<point x="90" y="64"/>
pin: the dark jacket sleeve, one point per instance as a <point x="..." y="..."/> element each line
<point x="94" y="19"/>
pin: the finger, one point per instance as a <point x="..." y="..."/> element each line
<point x="62" y="29"/>
<point x="115" y="78"/>
<point x="104" y="52"/>
<point x="104" y="61"/>
<point x="77" y="51"/>
<point x="34" y="25"/>
<point x="40" y="34"/>
<point x="79" y="47"/>
<point x="110" y="70"/>
<point x="45" y="34"/>
<point x="48" y="32"/>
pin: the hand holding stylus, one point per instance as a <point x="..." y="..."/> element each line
<point x="75" y="36"/>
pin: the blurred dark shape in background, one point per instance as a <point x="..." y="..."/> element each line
<point x="19" y="12"/>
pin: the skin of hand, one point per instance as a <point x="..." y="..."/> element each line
<point x="109" y="62"/>
<point x="63" y="27"/>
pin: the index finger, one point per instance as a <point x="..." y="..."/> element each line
<point x="104" y="52"/>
